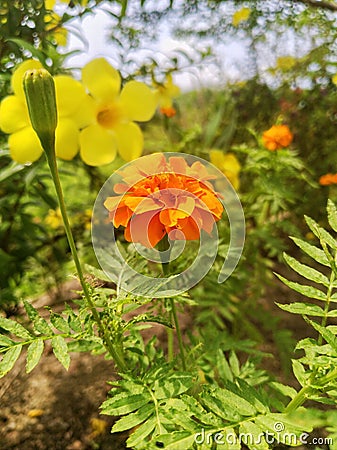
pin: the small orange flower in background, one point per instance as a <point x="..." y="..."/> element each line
<point x="278" y="136"/>
<point x="328" y="179"/>
<point x="161" y="198"/>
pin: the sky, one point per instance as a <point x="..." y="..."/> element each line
<point x="90" y="35"/>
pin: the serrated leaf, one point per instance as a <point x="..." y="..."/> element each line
<point x="231" y="441"/>
<point x="9" y="359"/>
<point x="282" y="427"/>
<point x="307" y="291"/>
<point x="303" y="308"/>
<point x="142" y="432"/>
<point x="59" y="322"/>
<point x="320" y="232"/>
<point x="173" y="386"/>
<point x="73" y="320"/>
<point x="287" y="391"/>
<point x="5" y="341"/>
<point x="252" y="436"/>
<point x="299" y="372"/>
<point x="14" y="328"/>
<point x="332" y="215"/>
<point x="215" y="406"/>
<point x="316" y="253"/>
<point x="133" y="419"/>
<point x="234" y="402"/>
<point x="307" y="272"/>
<point x="124" y="403"/>
<point x="60" y="350"/>
<point x="327" y="335"/>
<point x="39" y="323"/>
<point x="176" y="440"/>
<point x="34" y="354"/>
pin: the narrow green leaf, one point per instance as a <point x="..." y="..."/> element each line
<point x="299" y="372"/>
<point x="307" y="272"/>
<point x="332" y="215"/>
<point x="285" y="390"/>
<point x="9" y="359"/>
<point x="252" y="436"/>
<point x="40" y="325"/>
<point x="34" y="354"/>
<point x="327" y="335"/>
<point x="142" y="432"/>
<point x="73" y="320"/>
<point x="214" y="405"/>
<point x="173" y="386"/>
<point x="5" y="341"/>
<point x="60" y="350"/>
<point x="176" y="440"/>
<point x="234" y="402"/>
<point x="283" y="428"/>
<point x="59" y="323"/>
<point x="134" y="419"/>
<point x="124" y="403"/>
<point x="316" y="253"/>
<point x="303" y="308"/>
<point x="321" y="233"/>
<point x="231" y="441"/>
<point x="14" y="328"/>
<point x="307" y="291"/>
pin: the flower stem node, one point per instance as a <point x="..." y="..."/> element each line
<point x="39" y="90"/>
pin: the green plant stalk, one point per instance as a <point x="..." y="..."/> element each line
<point x="305" y="392"/>
<point x="114" y="352"/>
<point x="163" y="245"/>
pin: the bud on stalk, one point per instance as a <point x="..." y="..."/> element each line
<point x="39" y="90"/>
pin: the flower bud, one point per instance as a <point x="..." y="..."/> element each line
<point x="39" y="90"/>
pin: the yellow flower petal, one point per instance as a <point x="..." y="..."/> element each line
<point x="241" y="16"/>
<point x="49" y="4"/>
<point x="24" y="146"/>
<point x="13" y="114"/>
<point x="18" y="74"/>
<point x="130" y="140"/>
<point x="228" y="164"/>
<point x="139" y="101"/>
<point x="69" y="94"/>
<point x="98" y="146"/>
<point x="86" y="113"/>
<point x="60" y="35"/>
<point x="101" y="79"/>
<point x="66" y="139"/>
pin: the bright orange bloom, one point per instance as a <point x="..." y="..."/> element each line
<point x="168" y="112"/>
<point x="278" y="136"/>
<point x="162" y="197"/>
<point x="328" y="179"/>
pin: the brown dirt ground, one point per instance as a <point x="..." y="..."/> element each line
<point x="66" y="404"/>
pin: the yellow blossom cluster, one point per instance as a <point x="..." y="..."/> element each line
<point x="96" y="116"/>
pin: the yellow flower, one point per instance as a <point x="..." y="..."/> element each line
<point x="228" y="164"/>
<point x="165" y="93"/>
<point x="52" y="24"/>
<point x="54" y="219"/>
<point x="24" y="145"/>
<point x="111" y="113"/>
<point x="240" y="16"/>
<point x="285" y="63"/>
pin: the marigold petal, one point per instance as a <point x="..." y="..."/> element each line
<point x="17" y="78"/>
<point x="25" y="146"/>
<point x="70" y="93"/>
<point x="101" y="79"/>
<point x="189" y="228"/>
<point x="98" y="146"/>
<point x="121" y="216"/>
<point x="141" y="205"/>
<point x="13" y="114"/>
<point x="146" y="229"/>
<point x="178" y="164"/>
<point x="129" y="140"/>
<point x="66" y="139"/>
<point x="139" y="101"/>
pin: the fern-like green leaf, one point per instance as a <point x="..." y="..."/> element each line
<point x="332" y="215"/>
<point x="34" y="354"/>
<point x="14" y="328"/>
<point x="315" y="253"/>
<point x="307" y="272"/>
<point x="307" y="291"/>
<point x="321" y="233"/>
<point x="9" y="359"/>
<point x="60" y="350"/>
<point x="39" y="323"/>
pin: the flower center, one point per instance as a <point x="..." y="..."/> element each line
<point x="108" y="116"/>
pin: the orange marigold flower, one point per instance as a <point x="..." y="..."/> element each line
<point x="168" y="112"/>
<point x="328" y="179"/>
<point x="162" y="197"/>
<point x="278" y="136"/>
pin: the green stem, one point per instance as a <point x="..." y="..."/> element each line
<point x="116" y="354"/>
<point x="163" y="245"/>
<point x="299" y="399"/>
